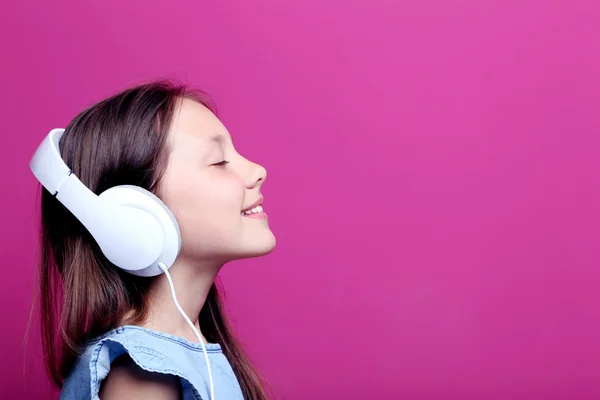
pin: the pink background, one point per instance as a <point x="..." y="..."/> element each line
<point x="433" y="181"/>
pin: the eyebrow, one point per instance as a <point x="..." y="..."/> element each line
<point x="218" y="137"/>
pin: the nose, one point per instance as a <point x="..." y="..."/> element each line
<point x="256" y="176"/>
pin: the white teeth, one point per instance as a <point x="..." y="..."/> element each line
<point x="255" y="210"/>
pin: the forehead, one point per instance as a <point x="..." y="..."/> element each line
<point x="194" y="123"/>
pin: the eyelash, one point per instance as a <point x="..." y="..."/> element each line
<point x="221" y="164"/>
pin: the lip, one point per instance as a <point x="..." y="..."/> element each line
<point x="261" y="215"/>
<point x="257" y="203"/>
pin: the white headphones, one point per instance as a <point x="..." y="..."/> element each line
<point x="133" y="227"/>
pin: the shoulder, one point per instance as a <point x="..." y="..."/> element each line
<point x="127" y="380"/>
<point x="125" y="363"/>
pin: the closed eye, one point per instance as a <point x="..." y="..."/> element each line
<point x="221" y="164"/>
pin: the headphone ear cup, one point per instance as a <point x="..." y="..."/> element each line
<point x="138" y="198"/>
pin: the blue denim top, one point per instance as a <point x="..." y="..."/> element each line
<point x="156" y="352"/>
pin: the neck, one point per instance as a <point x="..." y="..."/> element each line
<point x="192" y="281"/>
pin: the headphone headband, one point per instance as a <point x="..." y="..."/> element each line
<point x="47" y="165"/>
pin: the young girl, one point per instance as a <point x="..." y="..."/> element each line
<point x="113" y="335"/>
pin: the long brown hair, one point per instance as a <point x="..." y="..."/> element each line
<point x="121" y="140"/>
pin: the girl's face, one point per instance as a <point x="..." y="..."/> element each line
<point x="208" y="186"/>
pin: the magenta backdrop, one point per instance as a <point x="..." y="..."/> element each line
<point x="433" y="181"/>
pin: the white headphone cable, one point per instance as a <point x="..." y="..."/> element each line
<point x="212" y="386"/>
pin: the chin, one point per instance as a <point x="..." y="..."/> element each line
<point x="260" y="246"/>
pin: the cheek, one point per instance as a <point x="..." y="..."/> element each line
<point x="206" y="204"/>
<point x="221" y="192"/>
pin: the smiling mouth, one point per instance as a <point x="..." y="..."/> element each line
<point x="256" y="212"/>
